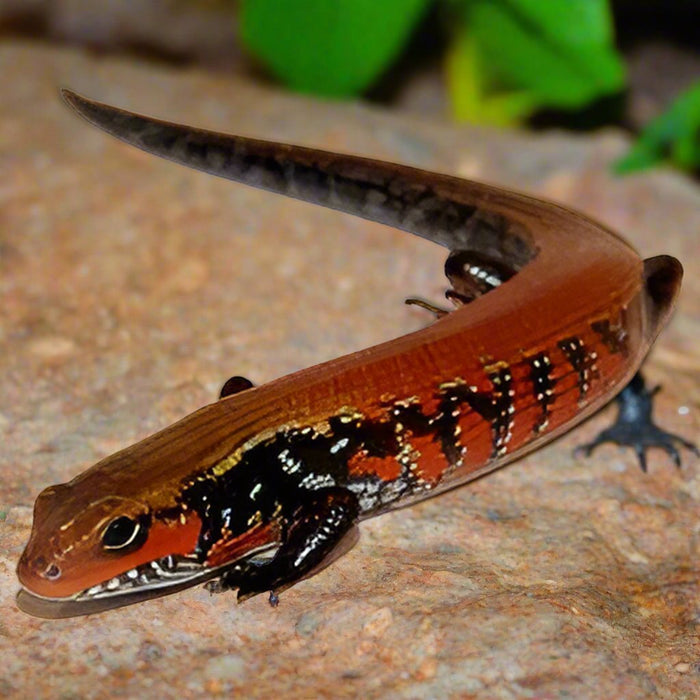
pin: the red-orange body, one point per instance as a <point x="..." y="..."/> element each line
<point x="261" y="486"/>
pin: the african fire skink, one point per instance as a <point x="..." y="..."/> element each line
<point x="553" y="315"/>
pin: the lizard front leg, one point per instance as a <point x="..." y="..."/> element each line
<point x="316" y="530"/>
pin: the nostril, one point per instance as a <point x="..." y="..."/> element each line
<point x="52" y="572"/>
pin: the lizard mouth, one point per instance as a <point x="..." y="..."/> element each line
<point x="161" y="573"/>
<point x="154" y="579"/>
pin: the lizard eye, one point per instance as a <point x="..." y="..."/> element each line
<point x="121" y="532"/>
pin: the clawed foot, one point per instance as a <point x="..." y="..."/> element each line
<point x="635" y="427"/>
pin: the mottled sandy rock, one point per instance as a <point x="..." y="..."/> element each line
<point x="130" y="289"/>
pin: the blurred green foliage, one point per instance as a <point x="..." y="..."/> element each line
<point x="674" y="136"/>
<point x="506" y="59"/>
<point x="333" y="48"/>
<point x="512" y="57"/>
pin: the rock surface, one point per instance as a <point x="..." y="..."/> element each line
<point x="130" y="289"/>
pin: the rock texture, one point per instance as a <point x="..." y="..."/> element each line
<point x="130" y="289"/>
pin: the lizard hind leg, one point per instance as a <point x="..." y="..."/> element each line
<point x="471" y="274"/>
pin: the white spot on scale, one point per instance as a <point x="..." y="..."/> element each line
<point x="317" y="481"/>
<point x="339" y="445"/>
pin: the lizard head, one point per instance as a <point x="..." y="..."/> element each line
<point x="87" y="554"/>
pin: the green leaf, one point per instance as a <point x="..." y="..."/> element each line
<point x="471" y="101"/>
<point x="674" y="136"/>
<point x="559" y="52"/>
<point x="328" y="47"/>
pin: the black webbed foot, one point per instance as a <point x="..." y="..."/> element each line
<point x="635" y="427"/>
<point x="315" y="532"/>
